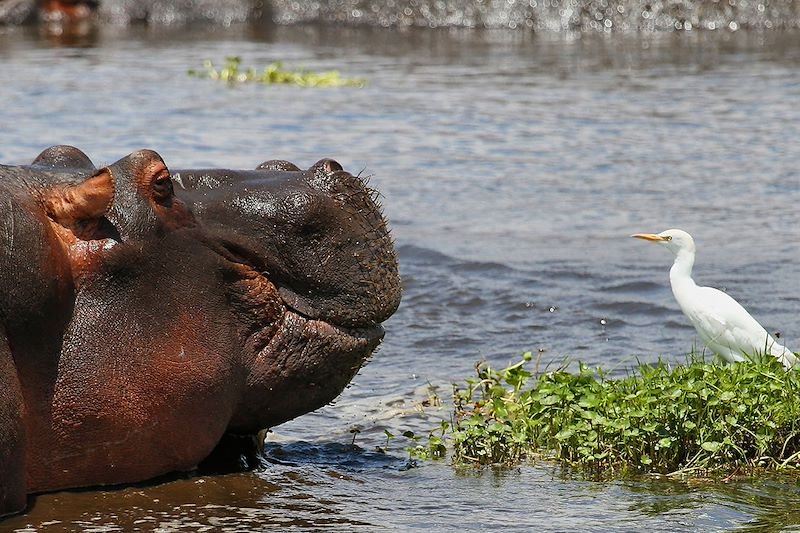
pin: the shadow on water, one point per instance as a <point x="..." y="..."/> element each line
<point x="348" y="457"/>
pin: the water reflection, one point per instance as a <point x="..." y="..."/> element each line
<point x="312" y="485"/>
<point x="233" y="502"/>
<point x="68" y="33"/>
<point x="773" y="502"/>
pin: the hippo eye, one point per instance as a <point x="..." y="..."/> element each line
<point x="162" y="187"/>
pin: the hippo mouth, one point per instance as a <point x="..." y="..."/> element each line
<point x="322" y="333"/>
<point x="339" y="340"/>
<point x="324" y="340"/>
<point x="302" y="359"/>
<point x="307" y="364"/>
<point x="324" y="328"/>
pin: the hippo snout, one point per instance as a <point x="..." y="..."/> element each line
<point x="319" y="234"/>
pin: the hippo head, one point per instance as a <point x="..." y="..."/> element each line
<point x="316" y="239"/>
<point x="304" y="258"/>
<point x="200" y="302"/>
<point x="307" y="261"/>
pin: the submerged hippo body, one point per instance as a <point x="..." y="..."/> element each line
<point x="233" y="302"/>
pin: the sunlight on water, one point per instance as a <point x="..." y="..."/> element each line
<point x="545" y="15"/>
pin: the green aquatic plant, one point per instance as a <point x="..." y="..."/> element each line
<point x="692" y="419"/>
<point x="232" y="72"/>
<point x="433" y="448"/>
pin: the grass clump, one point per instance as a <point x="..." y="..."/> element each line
<point x="696" y="418"/>
<point x="232" y="72"/>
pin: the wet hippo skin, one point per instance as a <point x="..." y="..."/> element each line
<point x="147" y="313"/>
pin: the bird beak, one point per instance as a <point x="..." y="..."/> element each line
<point x="650" y="237"/>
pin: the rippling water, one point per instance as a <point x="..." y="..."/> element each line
<point x="513" y="169"/>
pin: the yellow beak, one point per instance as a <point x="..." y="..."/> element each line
<point x="649" y="237"/>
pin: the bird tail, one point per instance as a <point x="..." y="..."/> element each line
<point x="783" y="354"/>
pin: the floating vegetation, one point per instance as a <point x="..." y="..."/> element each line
<point x="232" y="72"/>
<point x="693" y="419"/>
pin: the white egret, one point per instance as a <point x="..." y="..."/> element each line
<point x="721" y="322"/>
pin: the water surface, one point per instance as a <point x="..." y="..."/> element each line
<point x="513" y="168"/>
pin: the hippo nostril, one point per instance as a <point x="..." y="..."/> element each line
<point x="328" y="176"/>
<point x="328" y="165"/>
<point x="332" y="166"/>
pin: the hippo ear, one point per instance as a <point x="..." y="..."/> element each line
<point x="74" y="205"/>
<point x="63" y="156"/>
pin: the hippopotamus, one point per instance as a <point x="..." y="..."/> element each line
<point x="146" y="312"/>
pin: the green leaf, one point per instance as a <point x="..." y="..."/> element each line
<point x="588" y="401"/>
<point x="550" y="400"/>
<point x="666" y="442"/>
<point x="564" y="434"/>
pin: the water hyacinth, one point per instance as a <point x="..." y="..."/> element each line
<point x="232" y="72"/>
<point x="697" y="418"/>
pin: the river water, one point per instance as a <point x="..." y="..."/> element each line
<point x="513" y="169"/>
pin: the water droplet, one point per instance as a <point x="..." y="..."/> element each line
<point x="553" y="309"/>
<point x="602" y="321"/>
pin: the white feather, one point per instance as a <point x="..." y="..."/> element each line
<point x="722" y="323"/>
